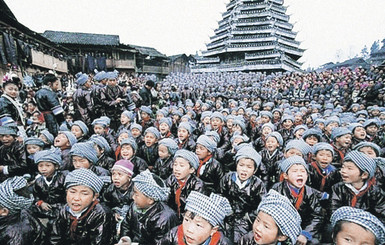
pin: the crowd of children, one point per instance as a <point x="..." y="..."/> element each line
<point x="206" y="168"/>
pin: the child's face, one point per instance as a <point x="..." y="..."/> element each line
<point x="159" y="116"/>
<point x="69" y="118"/>
<point x="99" y="150"/>
<point x="181" y="169"/>
<point x="32" y="149"/>
<point x="122" y="136"/>
<point x="266" y="230"/>
<point x="321" y="126"/>
<point x="206" y="120"/>
<point x="265" y="119"/>
<point x="368" y="151"/>
<point x="299" y="133"/>
<point x="7" y="139"/>
<point x="61" y="140"/>
<point x="324" y="158"/>
<point x="141" y="201"/>
<point x="135" y="132"/>
<point x="80" y="197"/>
<point x="350" y="173"/>
<point x="43" y="138"/>
<point x="163" y="152"/>
<point x="164" y="128"/>
<point x="287" y="124"/>
<point x="144" y="115"/>
<point x="76" y="130"/>
<point x="266" y="131"/>
<point x="296" y="175"/>
<point x="330" y="127"/>
<point x="98" y="129"/>
<point x="127" y="152"/>
<point x="196" y="230"/>
<point x="344" y="141"/>
<point x="11" y="90"/>
<point x="229" y="123"/>
<point x="80" y="162"/>
<point x="372" y="130"/>
<point x="311" y="140"/>
<point x="183" y="134"/>
<point x="121" y="180"/>
<point x="245" y="168"/>
<point x="202" y="152"/>
<point x="47" y="169"/>
<point x="293" y="152"/>
<point x="124" y="120"/>
<point x="216" y="123"/>
<point x="352" y="233"/>
<point x="150" y="139"/>
<point x="237" y="128"/>
<point x="360" y="133"/>
<point x="272" y="144"/>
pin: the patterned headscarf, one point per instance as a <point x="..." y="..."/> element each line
<point x="191" y="157"/>
<point x="9" y="199"/>
<point x="146" y="184"/>
<point x="52" y="155"/>
<point x="86" y="177"/>
<point x="85" y="150"/>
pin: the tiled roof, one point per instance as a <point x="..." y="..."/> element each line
<point x="147" y="51"/>
<point x="81" y="38"/>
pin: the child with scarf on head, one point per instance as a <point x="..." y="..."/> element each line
<point x="48" y="139"/>
<point x="209" y="169"/>
<point x="17" y="224"/>
<point x="357" y="226"/>
<point x="32" y="146"/>
<point x="100" y="127"/>
<point x="163" y="165"/>
<point x="217" y="123"/>
<point x="260" y="142"/>
<point x="203" y="217"/>
<point x="183" y="180"/>
<point x="80" y="130"/>
<point x="136" y="132"/>
<point x="103" y="151"/>
<point x="341" y="141"/>
<point x="149" y="151"/>
<point x="165" y="125"/>
<point x="185" y="138"/>
<point x="276" y="222"/>
<point x="145" y="119"/>
<point x="127" y="118"/>
<point x="82" y="220"/>
<point x="286" y="128"/>
<point x="12" y="154"/>
<point x="48" y="188"/>
<point x="304" y="198"/>
<point x="358" y="188"/>
<point x="227" y="158"/>
<point x="244" y="190"/>
<point x="128" y="152"/>
<point x="148" y="218"/>
<point x="64" y="141"/>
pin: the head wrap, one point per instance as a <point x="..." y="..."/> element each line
<point x="248" y="152"/>
<point x="106" y="119"/>
<point x="332" y="119"/>
<point x="300" y="145"/>
<point x="85" y="150"/>
<point x="214" y="208"/>
<point x="322" y="146"/>
<point x="137" y="126"/>
<point x="111" y="75"/>
<point x="146" y="184"/>
<point x="9" y="199"/>
<point x="171" y="145"/>
<point x="52" y="155"/>
<point x="48" y="136"/>
<point x="101" y="142"/>
<point x="372" y="145"/>
<point x="154" y="131"/>
<point x="82" y="126"/>
<point x="362" y="218"/>
<point x="207" y="142"/>
<point x="298" y="127"/>
<point x="34" y="141"/>
<point x="191" y="157"/>
<point x="370" y="122"/>
<point x="270" y="125"/>
<point x="70" y="136"/>
<point x="240" y="123"/>
<point x="99" y="121"/>
<point x="362" y="161"/>
<point x="277" y="136"/>
<point x="206" y="114"/>
<point x="82" y="79"/>
<point x="312" y="132"/>
<point x="215" y="136"/>
<point x="287" y="117"/>
<point x="5" y="130"/>
<point x="339" y="131"/>
<point x="186" y="126"/>
<point x="146" y="109"/>
<point x="130" y="141"/>
<point x="125" y="166"/>
<point x="353" y="126"/>
<point x="284" y="214"/>
<point x="167" y="121"/>
<point x="86" y="177"/>
<point x="219" y="115"/>
<point x="129" y="115"/>
<point x="288" y="162"/>
<point x="237" y="135"/>
<point x="266" y="113"/>
<point x="100" y="76"/>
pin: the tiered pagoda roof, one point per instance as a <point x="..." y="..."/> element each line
<point x="254" y="35"/>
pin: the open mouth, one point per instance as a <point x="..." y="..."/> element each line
<point x="299" y="181"/>
<point x="257" y="237"/>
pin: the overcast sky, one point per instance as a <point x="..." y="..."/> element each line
<point x="325" y="27"/>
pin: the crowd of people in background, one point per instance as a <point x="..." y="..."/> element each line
<point x="194" y="158"/>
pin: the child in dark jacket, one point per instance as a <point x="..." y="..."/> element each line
<point x="185" y="139"/>
<point x="48" y="139"/>
<point x="103" y="151"/>
<point x="201" y="223"/>
<point x="128" y="152"/>
<point x="148" y="218"/>
<point x="80" y="130"/>
<point x="17" y="224"/>
<point x="244" y="191"/>
<point x="183" y="180"/>
<point x="49" y="189"/>
<point x="64" y="141"/>
<point x="358" y="189"/>
<point x="163" y="165"/>
<point x="136" y="131"/>
<point x="82" y="220"/>
<point x="165" y="125"/>
<point x="145" y="117"/>
<point x="149" y="151"/>
<point x="32" y="146"/>
<point x="126" y="119"/>
<point x="304" y="198"/>
<point x="100" y="127"/>
<point x="12" y="154"/>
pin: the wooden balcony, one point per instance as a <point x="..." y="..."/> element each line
<point x="49" y="62"/>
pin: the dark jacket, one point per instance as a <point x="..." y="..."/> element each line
<point x="331" y="175"/>
<point x="163" y="167"/>
<point x="105" y="162"/>
<point x="66" y="160"/>
<point x="140" y="165"/>
<point x="7" y="109"/>
<point x="149" y="154"/>
<point x="373" y="200"/>
<point x="211" y="174"/>
<point x="22" y="229"/>
<point x="193" y="183"/>
<point x="243" y="202"/>
<point x="171" y="238"/>
<point x="146" y="96"/>
<point x="150" y="227"/>
<point x="115" y="198"/>
<point x="248" y="239"/>
<point x="108" y="96"/>
<point x="188" y="144"/>
<point x="271" y="163"/>
<point x="83" y="105"/>
<point x="93" y="229"/>
<point x="14" y="158"/>
<point x="310" y="209"/>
